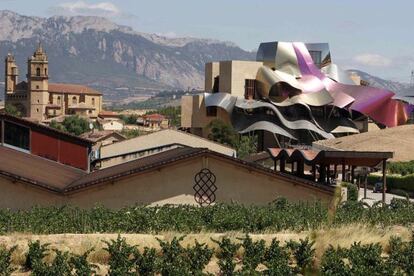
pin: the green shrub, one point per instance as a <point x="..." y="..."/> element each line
<point x="146" y="262"/>
<point x="253" y="254"/>
<point x="60" y="266"/>
<point x="394" y="182"/>
<point x="366" y="260"/>
<point x="35" y="254"/>
<point x="276" y="259"/>
<point x="303" y="253"/>
<point x="5" y="260"/>
<point x="402" y="168"/>
<point x="333" y="262"/>
<point x="121" y="257"/>
<point x="199" y="256"/>
<point x="173" y="260"/>
<point x="401" y="255"/>
<point x="352" y="192"/>
<point x="226" y="254"/>
<point x="81" y="266"/>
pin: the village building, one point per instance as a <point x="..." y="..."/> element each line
<point x="153" y="121"/>
<point x="111" y="124"/>
<point x="40" y="100"/>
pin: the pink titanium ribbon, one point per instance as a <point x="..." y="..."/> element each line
<point x="373" y="102"/>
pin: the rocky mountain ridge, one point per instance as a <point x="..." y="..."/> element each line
<point x="96" y="51"/>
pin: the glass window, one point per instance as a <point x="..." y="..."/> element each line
<point x="316" y="57"/>
<point x="16" y="135"/>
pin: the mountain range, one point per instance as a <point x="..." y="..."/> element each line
<point x="117" y="59"/>
<point x="97" y="52"/>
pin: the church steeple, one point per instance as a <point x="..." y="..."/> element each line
<point x="11" y="74"/>
<point x="38" y="82"/>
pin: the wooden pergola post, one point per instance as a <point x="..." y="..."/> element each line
<point x="328" y="170"/>
<point x="352" y="174"/>
<point x="314" y="172"/>
<point x="282" y="165"/>
<point x="365" y="185"/>
<point x="322" y="173"/>
<point x="384" y="179"/>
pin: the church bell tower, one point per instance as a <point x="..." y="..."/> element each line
<point x="11" y="75"/>
<point x="38" y="83"/>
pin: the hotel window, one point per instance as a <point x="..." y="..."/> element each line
<point x="74" y="100"/>
<point x="211" y="111"/>
<point x="316" y="57"/>
<point x="216" y="84"/>
<point x="38" y="72"/>
<point x="16" y="135"/>
<point x="249" y="89"/>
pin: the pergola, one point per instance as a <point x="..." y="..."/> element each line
<point x="327" y="162"/>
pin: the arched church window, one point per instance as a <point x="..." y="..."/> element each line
<point x="38" y="72"/>
<point x="74" y="100"/>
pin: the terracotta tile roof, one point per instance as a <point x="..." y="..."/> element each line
<point x="72" y="89"/>
<point x="36" y="170"/>
<point x="96" y="136"/>
<point x="154" y="117"/>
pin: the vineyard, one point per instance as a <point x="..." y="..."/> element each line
<point x="278" y="216"/>
<point x="242" y="257"/>
<point x="309" y="253"/>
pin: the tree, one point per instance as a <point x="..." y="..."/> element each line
<point x="225" y="134"/>
<point x="173" y="113"/>
<point x="246" y="145"/>
<point x="73" y="124"/>
<point x="129" y="119"/>
<point x="12" y="110"/>
<point x="222" y="133"/>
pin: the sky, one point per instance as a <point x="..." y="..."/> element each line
<point x="375" y="36"/>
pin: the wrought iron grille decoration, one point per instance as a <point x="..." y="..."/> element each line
<point x="205" y="187"/>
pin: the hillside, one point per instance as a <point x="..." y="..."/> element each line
<point x="100" y="53"/>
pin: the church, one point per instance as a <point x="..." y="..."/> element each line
<point x="40" y="100"/>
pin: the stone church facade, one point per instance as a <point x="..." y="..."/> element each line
<point x="40" y="100"/>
